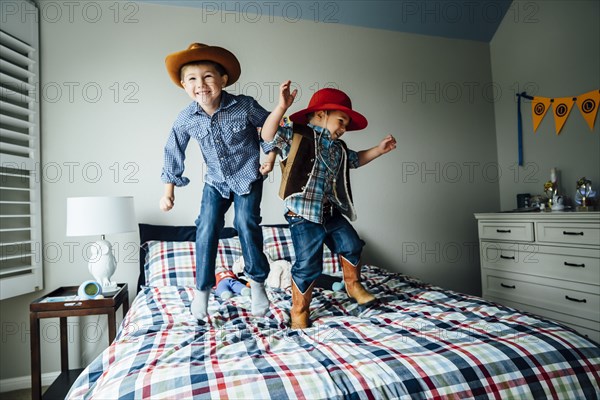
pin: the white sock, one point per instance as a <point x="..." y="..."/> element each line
<point x="199" y="305"/>
<point x="260" y="301"/>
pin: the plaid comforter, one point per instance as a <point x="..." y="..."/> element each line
<point x="420" y="342"/>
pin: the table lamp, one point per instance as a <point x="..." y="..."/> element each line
<point x="90" y="216"/>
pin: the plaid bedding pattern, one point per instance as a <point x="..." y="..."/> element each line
<point x="174" y="263"/>
<point x="419" y="342"/>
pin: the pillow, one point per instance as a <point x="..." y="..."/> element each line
<point x="174" y="263"/>
<point x="170" y="264"/>
<point x="278" y="244"/>
<point x="150" y="232"/>
<point x="228" y="252"/>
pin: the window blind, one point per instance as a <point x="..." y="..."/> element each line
<point x="21" y="260"/>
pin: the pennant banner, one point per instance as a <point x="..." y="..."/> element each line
<point x="539" y="108"/>
<point x="562" y="108"/>
<point x="588" y="105"/>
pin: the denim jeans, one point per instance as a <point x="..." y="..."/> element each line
<point x="247" y="220"/>
<point x="308" y="238"/>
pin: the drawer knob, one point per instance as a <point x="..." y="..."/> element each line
<point x="503" y="230"/>
<point x="508" y="286"/>
<point x="572" y="233"/>
<point x="507" y="257"/>
<point x="568" y="264"/>
<point x="576" y="300"/>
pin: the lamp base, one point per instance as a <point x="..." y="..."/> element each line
<point x="102" y="265"/>
<point x="110" y="289"/>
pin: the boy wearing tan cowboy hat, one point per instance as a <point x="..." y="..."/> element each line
<point x="316" y="190"/>
<point x="225" y="126"/>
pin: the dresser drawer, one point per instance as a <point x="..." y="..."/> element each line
<point x="568" y="233"/>
<point x="509" y="231"/>
<point x="515" y="288"/>
<point x="563" y="263"/>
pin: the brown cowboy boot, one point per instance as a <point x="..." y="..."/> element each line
<point x="300" y="312"/>
<point x="352" y="282"/>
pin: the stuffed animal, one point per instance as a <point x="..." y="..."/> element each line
<point x="279" y="277"/>
<point x="338" y="286"/>
<point x="228" y="285"/>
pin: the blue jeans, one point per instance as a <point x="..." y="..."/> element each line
<point x="247" y="220"/>
<point x="308" y="238"/>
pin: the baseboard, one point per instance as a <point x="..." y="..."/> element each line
<point x="24" y="382"/>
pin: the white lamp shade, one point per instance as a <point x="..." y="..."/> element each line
<point x="87" y="216"/>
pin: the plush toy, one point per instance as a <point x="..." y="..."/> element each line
<point x="228" y="285"/>
<point x="338" y="286"/>
<point x="329" y="282"/>
<point x="279" y="277"/>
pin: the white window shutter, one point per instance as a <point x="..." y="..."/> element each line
<point x="21" y="260"/>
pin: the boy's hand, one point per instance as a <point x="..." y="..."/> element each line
<point x="387" y="144"/>
<point x="285" y="97"/>
<point x="268" y="163"/>
<point x="266" y="167"/>
<point x="167" y="203"/>
<point x="271" y="125"/>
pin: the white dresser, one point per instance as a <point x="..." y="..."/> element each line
<point x="546" y="263"/>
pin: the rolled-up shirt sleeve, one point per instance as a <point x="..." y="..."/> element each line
<point x="282" y="139"/>
<point x="267" y="147"/>
<point x="174" y="158"/>
<point x="353" y="161"/>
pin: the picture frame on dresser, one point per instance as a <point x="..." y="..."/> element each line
<point x="545" y="263"/>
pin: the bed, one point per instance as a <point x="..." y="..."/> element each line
<point x="418" y="342"/>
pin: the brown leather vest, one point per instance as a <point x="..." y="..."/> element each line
<point x="297" y="168"/>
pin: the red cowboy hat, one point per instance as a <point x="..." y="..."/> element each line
<point x="331" y="99"/>
<point x="203" y="52"/>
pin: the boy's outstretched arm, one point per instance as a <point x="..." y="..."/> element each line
<point x="385" y="146"/>
<point x="272" y="122"/>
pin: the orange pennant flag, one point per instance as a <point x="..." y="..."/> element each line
<point x="539" y="107"/>
<point x="588" y="105"/>
<point x="562" y="108"/>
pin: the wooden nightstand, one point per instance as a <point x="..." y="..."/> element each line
<point x="42" y="308"/>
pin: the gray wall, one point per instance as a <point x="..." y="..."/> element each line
<point x="549" y="49"/>
<point x="415" y="205"/>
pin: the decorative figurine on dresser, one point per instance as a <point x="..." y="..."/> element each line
<point x="584" y="195"/>
<point x="555" y="200"/>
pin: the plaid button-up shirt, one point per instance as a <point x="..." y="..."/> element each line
<point x="328" y="163"/>
<point x="229" y="142"/>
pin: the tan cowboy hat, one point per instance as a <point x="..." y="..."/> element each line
<point x="331" y="99"/>
<point x="203" y="52"/>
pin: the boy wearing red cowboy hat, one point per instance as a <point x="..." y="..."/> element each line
<point x="316" y="190"/>
<point x="225" y="126"/>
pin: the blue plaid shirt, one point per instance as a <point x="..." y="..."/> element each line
<point x="229" y="142"/>
<point x="319" y="188"/>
